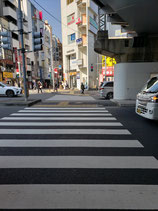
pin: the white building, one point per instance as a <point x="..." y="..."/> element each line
<point x="79" y="29"/>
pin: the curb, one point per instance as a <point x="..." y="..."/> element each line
<point x="22" y="103"/>
<point x="123" y="104"/>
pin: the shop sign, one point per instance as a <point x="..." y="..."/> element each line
<point x="79" y="41"/>
<point x="0" y="76"/>
<point x="72" y="73"/>
<point x="79" y="20"/>
<point x="110" y="62"/>
<point x="78" y="75"/>
<point x="70" y="51"/>
<point x="16" y="57"/>
<point x="6" y="61"/>
<point x="93" y="22"/>
<point x="70" y="19"/>
<point x="7" y="75"/>
<point x="110" y="71"/>
<point x="55" y="70"/>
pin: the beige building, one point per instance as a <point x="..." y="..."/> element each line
<point x="79" y="29"/>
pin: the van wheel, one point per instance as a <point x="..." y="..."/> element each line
<point x="10" y="93"/>
<point x="110" y="95"/>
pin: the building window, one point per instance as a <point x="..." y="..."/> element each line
<point x="69" y="1"/>
<point x="71" y="38"/>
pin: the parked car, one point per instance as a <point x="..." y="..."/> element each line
<point x="107" y="89"/>
<point x="147" y="100"/>
<point x="10" y="91"/>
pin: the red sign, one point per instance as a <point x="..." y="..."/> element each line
<point x="55" y="70"/>
<point x="110" y="71"/>
<point x="79" y="20"/>
<point x="16" y="59"/>
<point x="40" y="15"/>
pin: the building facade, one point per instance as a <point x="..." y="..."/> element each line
<point x="38" y="64"/>
<point x="57" y="60"/>
<point x="79" y="29"/>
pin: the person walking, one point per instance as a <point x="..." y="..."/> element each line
<point x="39" y="87"/>
<point x="82" y="88"/>
<point x="56" y="87"/>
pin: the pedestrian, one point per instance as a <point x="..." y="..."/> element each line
<point x="82" y="88"/>
<point x="34" y="85"/>
<point x="39" y="87"/>
<point x="56" y="87"/>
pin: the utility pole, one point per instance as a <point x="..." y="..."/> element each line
<point x="21" y="32"/>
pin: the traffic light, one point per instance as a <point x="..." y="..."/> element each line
<point x="91" y="67"/>
<point x="6" y="40"/>
<point x="37" y="41"/>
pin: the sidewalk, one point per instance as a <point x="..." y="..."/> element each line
<point x="125" y="103"/>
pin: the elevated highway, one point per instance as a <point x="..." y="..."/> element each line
<point x="137" y="55"/>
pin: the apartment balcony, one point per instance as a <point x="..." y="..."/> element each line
<point x="82" y="21"/>
<point x="12" y="2"/>
<point x="13" y="27"/>
<point x="8" y="11"/>
<point x="25" y="28"/>
<point x="27" y="42"/>
<point x="82" y="41"/>
<point x="81" y="3"/>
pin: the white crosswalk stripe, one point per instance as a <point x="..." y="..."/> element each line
<point x="61" y="118"/>
<point x="60" y="142"/>
<point x="50" y="114"/>
<point x="60" y="124"/>
<point x="119" y="197"/>
<point x="78" y="162"/>
<point x="69" y="143"/>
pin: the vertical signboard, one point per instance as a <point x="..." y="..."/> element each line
<point x="110" y="62"/>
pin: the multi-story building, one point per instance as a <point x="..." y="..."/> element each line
<point x="6" y="56"/>
<point x="57" y="60"/>
<point x="38" y="64"/>
<point x="79" y="29"/>
<point x="47" y="63"/>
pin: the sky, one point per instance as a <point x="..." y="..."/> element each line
<point x="53" y="6"/>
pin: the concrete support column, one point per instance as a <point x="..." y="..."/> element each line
<point x="131" y="77"/>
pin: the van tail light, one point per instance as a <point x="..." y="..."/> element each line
<point x="101" y="88"/>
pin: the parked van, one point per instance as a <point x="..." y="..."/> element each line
<point x="147" y="100"/>
<point x="107" y="89"/>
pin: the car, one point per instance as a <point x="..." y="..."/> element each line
<point x="107" y="89"/>
<point x="9" y="91"/>
<point x="147" y="100"/>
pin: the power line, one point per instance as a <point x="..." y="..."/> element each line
<point x="57" y="18"/>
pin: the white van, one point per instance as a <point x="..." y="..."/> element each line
<point x="147" y="100"/>
<point x="106" y="90"/>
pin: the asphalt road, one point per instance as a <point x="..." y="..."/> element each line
<point x="102" y="158"/>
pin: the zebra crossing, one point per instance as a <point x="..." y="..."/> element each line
<point x="73" y="158"/>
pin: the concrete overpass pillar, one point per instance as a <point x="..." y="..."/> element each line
<point x="137" y="60"/>
<point x="131" y="77"/>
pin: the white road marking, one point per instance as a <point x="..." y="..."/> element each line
<point x="60" y="111"/>
<point x="42" y="108"/>
<point x="101" y="162"/>
<point x="66" y="131"/>
<point x="69" y="143"/>
<point x="50" y="114"/>
<point x="60" y="124"/>
<point x="131" y="197"/>
<point x="60" y="118"/>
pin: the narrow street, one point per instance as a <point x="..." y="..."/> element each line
<point x="68" y="153"/>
